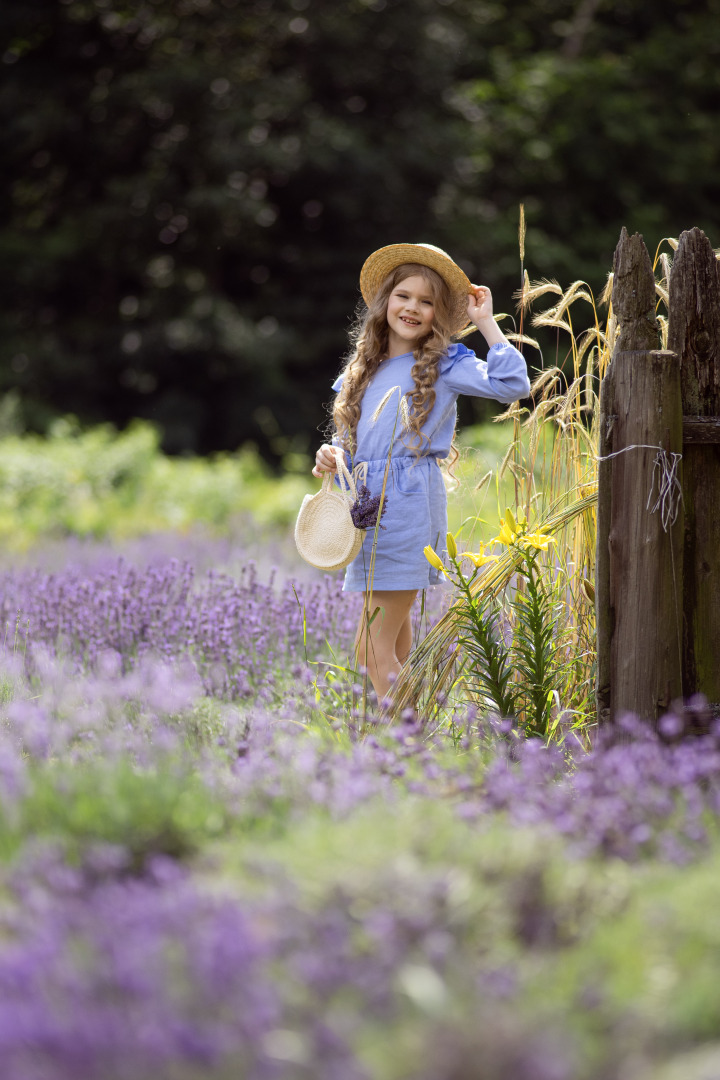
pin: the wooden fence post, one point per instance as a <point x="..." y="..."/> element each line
<point x="694" y="334"/>
<point x="639" y="564"/>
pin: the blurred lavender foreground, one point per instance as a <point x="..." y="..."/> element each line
<point x="203" y="875"/>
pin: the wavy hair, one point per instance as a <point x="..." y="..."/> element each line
<point x="369" y="343"/>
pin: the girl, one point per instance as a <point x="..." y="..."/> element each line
<point x="397" y="396"/>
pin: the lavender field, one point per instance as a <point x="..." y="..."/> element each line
<point x="212" y="867"/>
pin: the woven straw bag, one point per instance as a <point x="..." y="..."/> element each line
<point x="325" y="535"/>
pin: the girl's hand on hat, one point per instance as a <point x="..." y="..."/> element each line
<point x="480" y="310"/>
<point x="325" y="460"/>
<point x="480" y="304"/>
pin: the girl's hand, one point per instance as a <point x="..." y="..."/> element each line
<point x="325" y="460"/>
<point x="480" y="310"/>
<point x="480" y="304"/>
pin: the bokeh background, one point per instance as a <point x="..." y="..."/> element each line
<point x="189" y="187"/>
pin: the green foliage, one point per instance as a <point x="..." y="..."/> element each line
<point x="535" y="646"/>
<point x="100" y="483"/>
<point x="484" y="482"/>
<point x="204" y="724"/>
<point x="599" y="947"/>
<point x="488" y="658"/>
<point x="519" y="678"/>
<point x="387" y="861"/>
<point x="162" y="809"/>
<point x="176" y="176"/>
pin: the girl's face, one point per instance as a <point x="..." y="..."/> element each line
<point x="410" y="314"/>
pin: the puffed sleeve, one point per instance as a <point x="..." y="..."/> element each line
<point x="502" y="377"/>
<point x="336" y="440"/>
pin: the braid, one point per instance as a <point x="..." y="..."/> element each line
<point x="370" y="342"/>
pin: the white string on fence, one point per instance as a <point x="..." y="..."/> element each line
<point x="665" y="467"/>
<point x="669" y="488"/>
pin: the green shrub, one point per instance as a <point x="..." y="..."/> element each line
<point x="163" y="809"/>
<point x="104" y="483"/>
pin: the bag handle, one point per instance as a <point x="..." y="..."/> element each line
<point x="346" y="480"/>
<point x="360" y="474"/>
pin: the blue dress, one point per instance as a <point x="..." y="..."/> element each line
<point x="416" y="512"/>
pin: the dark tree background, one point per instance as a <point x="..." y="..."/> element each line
<point x="189" y="187"/>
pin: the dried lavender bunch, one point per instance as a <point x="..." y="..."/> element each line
<point x="364" y="510"/>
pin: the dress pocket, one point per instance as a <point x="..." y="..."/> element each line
<point x="412" y="479"/>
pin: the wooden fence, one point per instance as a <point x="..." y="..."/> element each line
<point x="658" y="556"/>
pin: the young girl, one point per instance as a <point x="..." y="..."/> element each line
<point x="417" y="298"/>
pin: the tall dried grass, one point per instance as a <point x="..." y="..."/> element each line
<point x="555" y="480"/>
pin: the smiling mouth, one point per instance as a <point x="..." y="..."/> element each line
<point x="409" y="322"/>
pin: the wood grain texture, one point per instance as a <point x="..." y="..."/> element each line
<point x="638" y="565"/>
<point x="633" y="295"/>
<point x="701" y="429"/>
<point x="603" y="613"/>
<point x="645" y="577"/>
<point x="694" y="334"/>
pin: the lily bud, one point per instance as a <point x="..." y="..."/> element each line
<point x="433" y="558"/>
<point x="588" y="589"/>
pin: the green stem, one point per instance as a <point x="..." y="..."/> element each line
<point x="489" y="654"/>
<point x="534" y="648"/>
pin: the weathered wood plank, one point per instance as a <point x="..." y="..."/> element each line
<point x="645" y="561"/>
<point x="694" y="334"/>
<point x="633" y="295"/>
<point x="603" y="613"/>
<point x="638" y="596"/>
<point x="701" y="429"/>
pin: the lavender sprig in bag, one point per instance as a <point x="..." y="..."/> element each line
<point x="364" y="511"/>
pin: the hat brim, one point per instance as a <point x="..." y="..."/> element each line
<point x="386" y="259"/>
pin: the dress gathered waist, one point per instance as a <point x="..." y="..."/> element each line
<point x="415" y="516"/>
<point x="402" y="461"/>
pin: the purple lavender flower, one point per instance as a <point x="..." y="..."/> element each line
<point x="364" y="510"/>
<point x="112" y="965"/>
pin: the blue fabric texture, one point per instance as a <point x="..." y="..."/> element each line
<point x="416" y="512"/>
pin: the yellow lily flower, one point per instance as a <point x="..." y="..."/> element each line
<point x="539" y="540"/>
<point x="506" y="535"/>
<point x="451" y="546"/>
<point x="433" y="558"/>
<point x="510" y="529"/>
<point x="480" y="558"/>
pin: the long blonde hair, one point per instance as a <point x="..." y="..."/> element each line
<point x="369" y="340"/>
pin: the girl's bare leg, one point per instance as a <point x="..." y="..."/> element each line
<point x="385" y="644"/>
<point x="404" y="640"/>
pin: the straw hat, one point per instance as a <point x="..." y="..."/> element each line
<point x="386" y="259"/>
